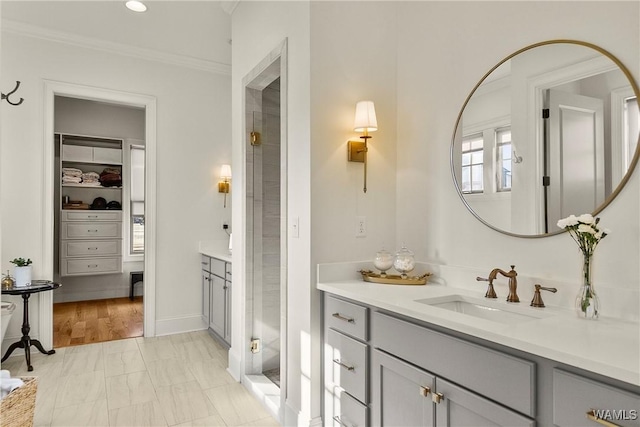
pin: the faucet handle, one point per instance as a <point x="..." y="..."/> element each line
<point x="537" y="298"/>
<point x="491" y="293"/>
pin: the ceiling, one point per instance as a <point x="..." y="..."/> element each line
<point x="191" y="29"/>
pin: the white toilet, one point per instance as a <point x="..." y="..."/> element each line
<point x="7" y="311"/>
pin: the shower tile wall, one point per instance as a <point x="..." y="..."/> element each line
<point x="271" y="227"/>
<point x="263" y="240"/>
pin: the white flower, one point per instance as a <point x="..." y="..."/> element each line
<point x="586" y="219"/>
<point x="606" y="231"/>
<point x="586" y="228"/>
<point x="568" y="221"/>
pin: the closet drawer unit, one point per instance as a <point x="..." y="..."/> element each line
<point x="575" y="396"/>
<point x="89" y="248"/>
<point x="91" y="215"/>
<point x="346" y="317"/>
<point x="86" y="266"/>
<point x="347" y="364"/>
<point x="91" y="230"/>
<point x="218" y="267"/>
<point x="350" y="412"/>
<point x="107" y="155"/>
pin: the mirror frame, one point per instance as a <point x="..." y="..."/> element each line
<point x="622" y="182"/>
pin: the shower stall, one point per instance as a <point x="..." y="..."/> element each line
<point x="265" y="226"/>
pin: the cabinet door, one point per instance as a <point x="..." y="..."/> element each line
<point x="401" y="393"/>
<point x="459" y="407"/>
<point x="218" y="302"/>
<point x="206" y="295"/>
<point x="227" y="311"/>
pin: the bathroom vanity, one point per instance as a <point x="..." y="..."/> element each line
<point x="393" y="355"/>
<point x="216" y="294"/>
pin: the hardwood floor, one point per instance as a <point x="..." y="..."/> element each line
<point x="84" y="322"/>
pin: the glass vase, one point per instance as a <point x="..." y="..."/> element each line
<point x="587" y="302"/>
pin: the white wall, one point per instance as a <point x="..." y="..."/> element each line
<point x="193" y="135"/>
<point x="258" y="28"/>
<point x="443" y="50"/>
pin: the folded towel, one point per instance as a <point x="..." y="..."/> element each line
<point x="110" y="171"/>
<point x="8" y="384"/>
<point x="71" y="172"/>
<point x="90" y="176"/>
<point x="71" y="179"/>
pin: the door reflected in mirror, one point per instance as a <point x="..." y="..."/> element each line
<point x="551" y="130"/>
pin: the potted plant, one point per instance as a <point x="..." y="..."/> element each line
<point x="22" y="271"/>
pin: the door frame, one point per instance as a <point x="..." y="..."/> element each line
<point x="51" y="90"/>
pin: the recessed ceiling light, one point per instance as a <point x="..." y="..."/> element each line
<point x="136" y="6"/>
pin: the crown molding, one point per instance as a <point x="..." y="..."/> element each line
<point x="27" y="30"/>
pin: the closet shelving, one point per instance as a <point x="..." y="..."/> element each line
<point x="90" y="239"/>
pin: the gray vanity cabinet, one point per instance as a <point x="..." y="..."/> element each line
<point x="405" y="395"/>
<point x="346" y="363"/>
<point x="216" y="297"/>
<point x="401" y="393"/>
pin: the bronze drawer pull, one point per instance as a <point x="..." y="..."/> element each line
<point x="437" y="397"/>
<point x="346" y="319"/>
<point x="92" y="266"/>
<point x="92" y="231"/>
<point x="347" y="367"/>
<point x="92" y="249"/>
<point x="592" y="416"/>
<point x="424" y="391"/>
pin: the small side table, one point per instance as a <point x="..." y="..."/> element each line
<point x="26" y="342"/>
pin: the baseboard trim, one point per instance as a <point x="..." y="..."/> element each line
<point x="294" y="417"/>
<point x="234" y="365"/>
<point x="178" y="325"/>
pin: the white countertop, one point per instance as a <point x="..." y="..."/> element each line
<point x="606" y="346"/>
<point x="215" y="249"/>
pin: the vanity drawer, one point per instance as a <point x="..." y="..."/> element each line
<point x="206" y="263"/>
<point x="574" y="396"/>
<point x="88" y="248"/>
<point x="346" y="317"/>
<point x="92" y="215"/>
<point x="89" y="230"/>
<point x="501" y="377"/>
<point x="218" y="267"/>
<point x="86" y="266"/>
<point x="349" y="412"/>
<point x="347" y="364"/>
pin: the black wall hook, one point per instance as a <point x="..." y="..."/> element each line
<point x="11" y="93"/>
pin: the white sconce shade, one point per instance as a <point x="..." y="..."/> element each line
<point x="365" y="120"/>
<point x="225" y="172"/>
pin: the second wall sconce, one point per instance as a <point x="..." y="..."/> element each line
<point x="365" y="121"/>
<point x="225" y="185"/>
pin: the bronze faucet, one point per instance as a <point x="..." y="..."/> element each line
<point x="537" y="298"/>
<point x="513" y="283"/>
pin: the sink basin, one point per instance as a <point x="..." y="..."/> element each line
<point x="487" y="310"/>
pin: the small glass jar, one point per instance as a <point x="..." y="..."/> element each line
<point x="404" y="262"/>
<point x="383" y="261"/>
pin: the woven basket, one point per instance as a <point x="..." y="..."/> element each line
<point x="17" y="408"/>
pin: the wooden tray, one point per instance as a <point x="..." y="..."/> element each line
<point x="390" y="279"/>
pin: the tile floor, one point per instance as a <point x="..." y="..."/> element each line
<point x="177" y="380"/>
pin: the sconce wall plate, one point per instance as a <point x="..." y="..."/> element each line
<point x="356" y="150"/>
<point x="223" y="187"/>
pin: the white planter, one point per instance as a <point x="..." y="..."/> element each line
<point x="22" y="275"/>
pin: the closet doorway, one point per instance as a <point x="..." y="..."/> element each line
<point x="99" y="221"/>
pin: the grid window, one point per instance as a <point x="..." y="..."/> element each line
<point x="472" y="164"/>
<point x="137" y="200"/>
<point x="503" y="160"/>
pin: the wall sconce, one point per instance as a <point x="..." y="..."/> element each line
<point x="365" y="121"/>
<point x="224" y="186"/>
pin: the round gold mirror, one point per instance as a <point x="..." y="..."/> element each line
<point x="552" y="130"/>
